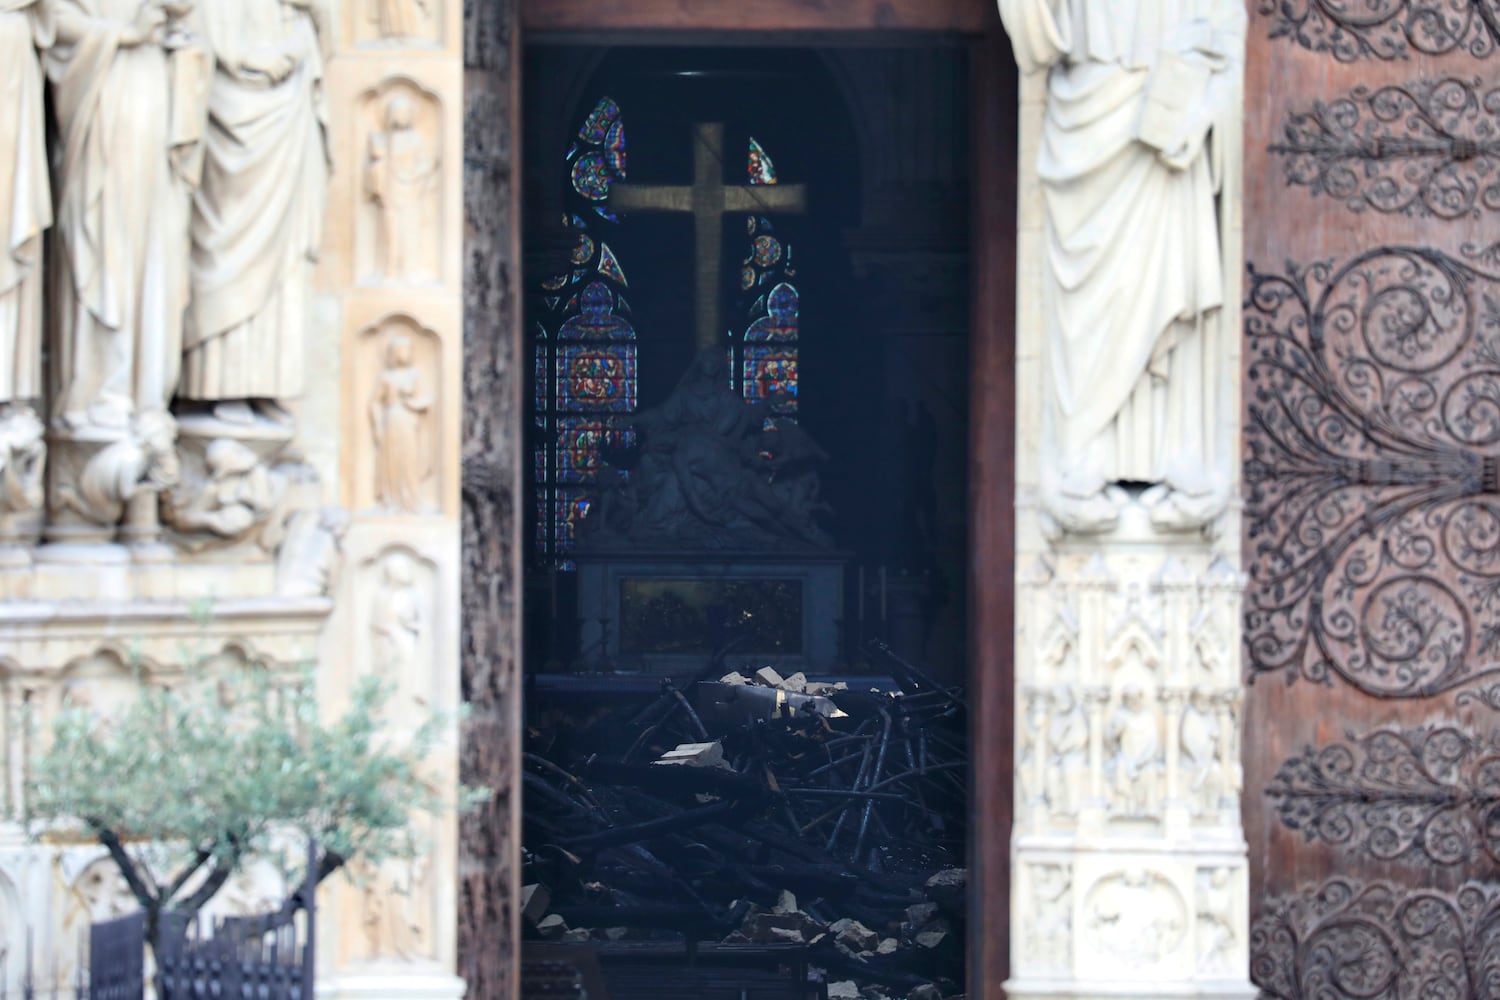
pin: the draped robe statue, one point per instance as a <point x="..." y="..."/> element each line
<point x="25" y="205"/>
<point x="121" y="276"/>
<point x="258" y="215"/>
<point x="398" y="18"/>
<point x="1133" y="279"/>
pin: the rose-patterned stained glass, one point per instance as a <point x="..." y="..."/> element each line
<point x="596" y="377"/>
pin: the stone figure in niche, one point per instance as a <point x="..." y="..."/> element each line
<point x="1052" y="926"/>
<point x="396" y="622"/>
<point x="125" y="106"/>
<point x="25" y="211"/>
<point x="1216" y="918"/>
<point x="400" y="178"/>
<point x="1200" y="753"/>
<point x="1134" y="740"/>
<point x="398" y="19"/>
<point x="1131" y="162"/>
<point x="258" y="216"/>
<point x="1137" y="916"/>
<point x="238" y="493"/>
<point x="399" y="415"/>
<point x="1069" y="742"/>
<point x="311" y="553"/>
<point x="393" y="921"/>
<point x="710" y="474"/>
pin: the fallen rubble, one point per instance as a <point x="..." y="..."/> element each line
<point x="740" y="812"/>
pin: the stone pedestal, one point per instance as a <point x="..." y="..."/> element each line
<point x="1129" y="862"/>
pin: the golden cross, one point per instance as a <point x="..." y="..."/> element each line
<point x="708" y="199"/>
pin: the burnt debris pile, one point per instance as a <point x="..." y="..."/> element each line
<point x="809" y="829"/>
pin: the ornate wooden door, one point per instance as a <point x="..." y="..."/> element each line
<point x="1372" y="521"/>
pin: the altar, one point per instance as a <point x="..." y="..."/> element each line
<point x="668" y="612"/>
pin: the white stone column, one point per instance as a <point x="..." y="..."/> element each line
<point x="1130" y="871"/>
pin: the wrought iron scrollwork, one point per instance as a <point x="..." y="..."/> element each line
<point x="1431" y="147"/>
<point x="1386" y="29"/>
<point x="1420" y="795"/>
<point x="1378" y="941"/>
<point x="1373" y="473"/>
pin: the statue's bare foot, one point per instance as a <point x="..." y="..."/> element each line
<point x="234" y="411"/>
<point x="1180" y="510"/>
<point x="1093" y="514"/>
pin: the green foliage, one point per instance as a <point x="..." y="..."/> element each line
<point x="219" y="769"/>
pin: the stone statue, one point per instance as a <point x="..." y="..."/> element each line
<point x="1200" y="753"/>
<point x="238" y="493"/>
<point x="398" y="18"/>
<point x="23" y="450"/>
<point x="399" y="413"/>
<point x="711" y="475"/>
<point x="25" y="206"/>
<point x="1216" y="920"/>
<point x="258" y="216"/>
<point x="122" y="209"/>
<point x="1133" y="283"/>
<point x="400" y="177"/>
<point x="142" y="462"/>
<point x="396" y="621"/>
<point x="1069" y="746"/>
<point x="1135" y="755"/>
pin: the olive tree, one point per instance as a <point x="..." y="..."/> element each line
<point x="184" y="785"/>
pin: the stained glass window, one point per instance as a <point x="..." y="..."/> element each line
<point x="767" y="366"/>
<point x="585" y="367"/>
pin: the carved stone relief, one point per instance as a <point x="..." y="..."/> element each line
<point x="399" y="228"/>
<point x="396" y="367"/>
<point x="228" y="493"/>
<point x="1372" y="469"/>
<point x="1137" y="917"/>
<point x="23" y="459"/>
<point x="1130" y="697"/>
<point x="395" y="913"/>
<point x="1220" y="914"/>
<point x="105" y="485"/>
<point x="400" y="23"/>
<point x="399" y="641"/>
<point x="15" y="937"/>
<point x="311" y="553"/>
<point x="1049" y="950"/>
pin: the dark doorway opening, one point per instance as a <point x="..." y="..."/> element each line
<point x="878" y="254"/>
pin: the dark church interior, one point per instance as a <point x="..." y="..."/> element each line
<point x="745" y="600"/>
